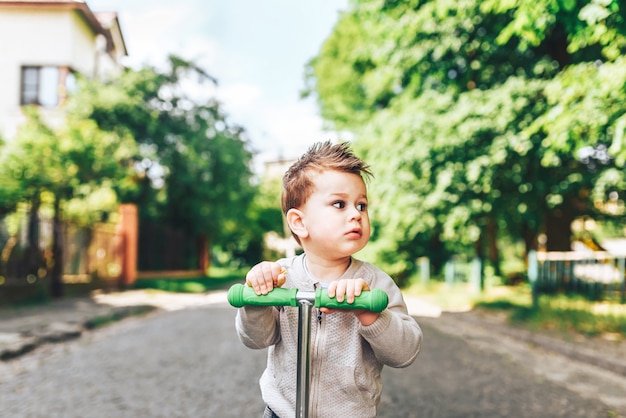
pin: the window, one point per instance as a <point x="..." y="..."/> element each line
<point x="45" y="86"/>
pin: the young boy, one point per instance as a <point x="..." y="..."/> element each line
<point x="324" y="200"/>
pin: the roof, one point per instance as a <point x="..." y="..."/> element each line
<point x="110" y="21"/>
<point x="100" y="23"/>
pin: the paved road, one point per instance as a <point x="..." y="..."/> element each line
<point x="189" y="363"/>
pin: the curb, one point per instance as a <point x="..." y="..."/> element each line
<point x="15" y="344"/>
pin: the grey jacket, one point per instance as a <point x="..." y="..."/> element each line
<point x="346" y="357"/>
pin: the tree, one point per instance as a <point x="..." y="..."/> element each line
<point x="193" y="163"/>
<point x="474" y="103"/>
<point x="63" y="167"/>
<point x="137" y="139"/>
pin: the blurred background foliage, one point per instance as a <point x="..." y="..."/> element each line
<point x="487" y="123"/>
<point x="140" y="138"/>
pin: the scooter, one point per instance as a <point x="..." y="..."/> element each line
<point x="240" y="295"/>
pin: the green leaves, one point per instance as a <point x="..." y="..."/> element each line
<point x="141" y="138"/>
<point x="505" y="113"/>
<point x="192" y="165"/>
<point x="75" y="161"/>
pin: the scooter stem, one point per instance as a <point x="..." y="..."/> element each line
<point x="302" y="379"/>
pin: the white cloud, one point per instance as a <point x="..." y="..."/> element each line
<point x="201" y="50"/>
<point x="289" y="129"/>
<point x="293" y="124"/>
<point x="155" y="32"/>
<point x="240" y="97"/>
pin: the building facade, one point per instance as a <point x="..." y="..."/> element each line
<point x="45" y="44"/>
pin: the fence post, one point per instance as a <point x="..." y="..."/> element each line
<point x="129" y="228"/>
<point x="476" y="275"/>
<point x="424" y="266"/>
<point x="449" y="272"/>
<point x="533" y="275"/>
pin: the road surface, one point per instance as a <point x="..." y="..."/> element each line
<point x="189" y="363"/>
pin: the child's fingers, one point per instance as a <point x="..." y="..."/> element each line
<point x="261" y="277"/>
<point x="255" y="280"/>
<point x="281" y="278"/>
<point x="350" y="291"/>
<point x="332" y="289"/>
<point x="354" y="289"/>
<point x="347" y="289"/>
<point x="340" y="291"/>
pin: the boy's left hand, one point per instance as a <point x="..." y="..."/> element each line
<point x="348" y="289"/>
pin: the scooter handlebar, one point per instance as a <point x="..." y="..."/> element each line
<point x="239" y="295"/>
<point x="374" y="300"/>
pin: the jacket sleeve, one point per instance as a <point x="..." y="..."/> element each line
<point x="395" y="336"/>
<point x="257" y="326"/>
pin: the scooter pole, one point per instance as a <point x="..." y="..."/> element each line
<point x="374" y="300"/>
<point x="304" y="337"/>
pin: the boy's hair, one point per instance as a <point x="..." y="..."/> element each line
<point x="297" y="184"/>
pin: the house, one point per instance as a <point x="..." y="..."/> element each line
<point x="45" y="44"/>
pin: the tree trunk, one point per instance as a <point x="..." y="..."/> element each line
<point x="203" y="250"/>
<point x="558" y="229"/>
<point x="479" y="249"/>
<point x="32" y="251"/>
<point x="56" y="282"/>
<point x="530" y="239"/>
<point x="556" y="44"/>
<point x="492" y="242"/>
<point x="438" y="256"/>
<point x="479" y="245"/>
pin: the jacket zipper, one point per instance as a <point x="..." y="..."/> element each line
<point x="316" y="365"/>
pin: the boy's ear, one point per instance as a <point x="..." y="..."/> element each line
<point x="295" y="221"/>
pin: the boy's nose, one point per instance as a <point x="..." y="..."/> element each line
<point x="355" y="214"/>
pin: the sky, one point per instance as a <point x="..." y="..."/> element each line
<point x="257" y="50"/>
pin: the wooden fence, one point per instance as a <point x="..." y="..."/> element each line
<point x="93" y="254"/>
<point x="595" y="275"/>
<point x="101" y="256"/>
<point x="90" y="255"/>
<point x="455" y="271"/>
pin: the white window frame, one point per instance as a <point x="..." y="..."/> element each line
<point x="45" y="85"/>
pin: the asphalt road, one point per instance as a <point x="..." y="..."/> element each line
<point x="189" y="363"/>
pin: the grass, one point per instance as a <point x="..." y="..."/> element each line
<point x="218" y="280"/>
<point x="19" y="297"/>
<point x="104" y="320"/>
<point x="567" y="314"/>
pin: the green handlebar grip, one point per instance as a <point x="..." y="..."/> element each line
<point x="374" y="300"/>
<point x="241" y="295"/>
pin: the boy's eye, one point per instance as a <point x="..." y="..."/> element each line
<point x="361" y="207"/>
<point x="339" y="204"/>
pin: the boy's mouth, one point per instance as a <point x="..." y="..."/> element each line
<point x="355" y="231"/>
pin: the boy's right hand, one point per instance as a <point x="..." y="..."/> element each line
<point x="265" y="276"/>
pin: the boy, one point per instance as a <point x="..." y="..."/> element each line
<point x="324" y="200"/>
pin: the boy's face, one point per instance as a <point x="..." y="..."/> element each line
<point x="335" y="215"/>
